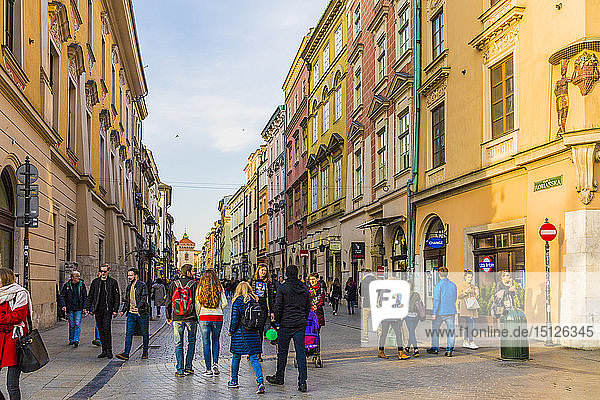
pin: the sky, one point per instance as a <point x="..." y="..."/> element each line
<point x="215" y="71"/>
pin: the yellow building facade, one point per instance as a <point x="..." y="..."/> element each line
<point x="326" y="54"/>
<point x="71" y="95"/>
<point x="510" y="109"/>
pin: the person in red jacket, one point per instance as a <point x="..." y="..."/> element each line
<point x="15" y="303"/>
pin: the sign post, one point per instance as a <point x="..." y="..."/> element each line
<point x="548" y="233"/>
<point x="27" y="174"/>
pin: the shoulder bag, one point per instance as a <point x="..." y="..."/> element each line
<point x="31" y="351"/>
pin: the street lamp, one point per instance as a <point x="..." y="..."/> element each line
<point x="150" y="224"/>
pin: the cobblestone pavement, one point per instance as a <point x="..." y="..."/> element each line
<point x="350" y="372"/>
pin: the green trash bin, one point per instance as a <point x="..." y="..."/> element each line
<point x="514" y="345"/>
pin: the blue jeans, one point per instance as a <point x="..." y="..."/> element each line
<point x="411" y="324"/>
<point x="235" y="367"/>
<point x="132" y="321"/>
<point x="97" y="335"/>
<point x="469" y="328"/>
<point x="179" y="328"/>
<point x="74" y="318"/>
<point x="435" y="334"/>
<point x="283" y="340"/>
<point x="211" y="331"/>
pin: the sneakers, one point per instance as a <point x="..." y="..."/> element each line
<point x="96" y="343"/>
<point x="179" y="374"/>
<point x="215" y="369"/>
<point x="402" y="355"/>
<point x="466" y="344"/>
<point x="381" y="354"/>
<point x="273" y="380"/>
<point x="473" y="345"/>
<point x="188" y="371"/>
<point x="416" y="353"/>
<point x="260" y="388"/>
<point x="431" y="350"/>
<point x="123" y="356"/>
<point x="208" y="372"/>
<point x="233" y="385"/>
<point x="302" y="387"/>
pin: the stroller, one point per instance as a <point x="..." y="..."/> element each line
<point x="312" y="340"/>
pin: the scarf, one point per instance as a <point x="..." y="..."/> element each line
<point x="16" y="296"/>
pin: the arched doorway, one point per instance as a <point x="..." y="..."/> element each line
<point x="7" y="220"/>
<point x="399" y="253"/>
<point x="434" y="257"/>
<point x="377" y="250"/>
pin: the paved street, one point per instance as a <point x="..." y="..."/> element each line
<point x="350" y="372"/>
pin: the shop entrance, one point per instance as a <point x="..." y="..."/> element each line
<point x="434" y="258"/>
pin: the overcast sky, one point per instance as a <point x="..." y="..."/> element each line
<point x="214" y="71"/>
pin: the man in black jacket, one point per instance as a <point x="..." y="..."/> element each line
<point x="103" y="301"/>
<point x="137" y="309"/>
<point x="72" y="301"/>
<point x="292" y="305"/>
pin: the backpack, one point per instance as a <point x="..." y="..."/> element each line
<point x="420" y="308"/>
<point x="253" y="316"/>
<point x="183" y="299"/>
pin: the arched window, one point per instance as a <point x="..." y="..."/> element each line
<point x="7" y="220"/>
<point x="399" y="250"/>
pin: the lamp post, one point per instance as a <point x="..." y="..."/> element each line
<point x="150" y="224"/>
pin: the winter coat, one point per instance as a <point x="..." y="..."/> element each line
<point x="243" y="341"/>
<point x="159" y="294"/>
<point x="10" y="317"/>
<point x="113" y="299"/>
<point x="351" y="292"/>
<point x="336" y="291"/>
<point x="69" y="299"/>
<point x="141" y="298"/>
<point x="462" y="295"/>
<point x="292" y="304"/>
<point x="317" y="301"/>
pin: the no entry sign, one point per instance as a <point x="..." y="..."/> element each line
<point x="548" y="232"/>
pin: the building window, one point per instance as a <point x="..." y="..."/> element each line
<point x="502" y="82"/>
<point x="338" y="103"/>
<point x="103" y="61"/>
<point x="315" y="127"/>
<point x="120" y="105"/>
<point x="324" y="186"/>
<point x="55" y="86"/>
<point x="69" y="244"/>
<point x="337" y="179"/>
<point x="296" y="148"/>
<point x="88" y="121"/>
<point x="338" y="40"/>
<point x="326" y="116"/>
<point x="71" y="117"/>
<point x="438" y="34"/>
<point x="100" y="252"/>
<point x="12" y="24"/>
<point x="403" y="162"/>
<point x="304" y="198"/>
<point x="326" y="58"/>
<point x="316" y="73"/>
<point x="404" y="31"/>
<point x="381" y="154"/>
<point x="314" y="181"/>
<point x="357" y="20"/>
<point x="358" y="172"/>
<point x="358" y="88"/>
<point x="381" y="57"/>
<point x="90" y="23"/>
<point x="438" y="136"/>
<point x="113" y="84"/>
<point x="102" y="152"/>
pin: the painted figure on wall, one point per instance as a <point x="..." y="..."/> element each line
<point x="561" y="91"/>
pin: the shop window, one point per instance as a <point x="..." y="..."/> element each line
<point x="399" y="251"/>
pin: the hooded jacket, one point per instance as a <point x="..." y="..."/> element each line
<point x="292" y="304"/>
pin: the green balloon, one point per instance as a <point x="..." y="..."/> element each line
<point x="271" y="334"/>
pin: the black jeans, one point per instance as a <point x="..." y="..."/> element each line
<point x="283" y="340"/>
<point x="103" y="322"/>
<point x="12" y="383"/>
<point x="335" y="304"/>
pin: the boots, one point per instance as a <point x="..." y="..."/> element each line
<point x="402" y="355"/>
<point x="381" y="354"/>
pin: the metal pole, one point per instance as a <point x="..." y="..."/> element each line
<point x="548" y="305"/>
<point x="27" y="221"/>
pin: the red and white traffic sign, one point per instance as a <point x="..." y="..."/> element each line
<point x="548" y="232"/>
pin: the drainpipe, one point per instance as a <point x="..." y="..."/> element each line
<point x="416" y="129"/>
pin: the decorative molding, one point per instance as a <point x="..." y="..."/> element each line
<point x="121" y="77"/>
<point x="378" y="106"/>
<point x="584" y="156"/>
<point x="59" y="22"/>
<point x="433" y="6"/>
<point x="104" y="118"/>
<point x="115" y="55"/>
<point x="115" y="138"/>
<point x="104" y="25"/>
<point x="13" y="69"/>
<point x="496" y="47"/>
<point x="501" y="29"/>
<point x="76" y="59"/>
<point x="91" y="94"/>
<point x="401" y="81"/>
<point x="435" y="177"/>
<point x="499" y="149"/>
<point x="77" y="21"/>
<point x="91" y="57"/>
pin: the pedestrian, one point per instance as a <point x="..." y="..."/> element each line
<point x="467" y="307"/>
<point x="159" y="295"/>
<point x="351" y="295"/>
<point x="505" y="294"/>
<point x="396" y="325"/>
<point x="15" y="305"/>
<point x="181" y="312"/>
<point x="210" y="303"/>
<point x="416" y="313"/>
<point x="103" y="301"/>
<point x="444" y="310"/>
<point x="96" y="341"/>
<point x="137" y="308"/>
<point x="366" y="303"/>
<point x="263" y="288"/>
<point x="317" y="298"/>
<point x="244" y="340"/>
<point x="72" y="303"/>
<point x="336" y="295"/>
<point x="292" y="305"/>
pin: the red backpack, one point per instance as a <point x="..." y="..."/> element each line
<point x="183" y="299"/>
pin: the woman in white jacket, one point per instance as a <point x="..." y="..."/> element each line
<point x="210" y="303"/>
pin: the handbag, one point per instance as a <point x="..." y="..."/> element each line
<point x="31" y="351"/>
<point x="472" y="303"/>
<point x="420" y="308"/>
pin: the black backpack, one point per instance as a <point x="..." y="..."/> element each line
<point x="253" y="316"/>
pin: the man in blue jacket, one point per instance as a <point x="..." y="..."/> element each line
<point x="444" y="309"/>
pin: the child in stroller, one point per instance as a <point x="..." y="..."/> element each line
<point x="312" y="340"/>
